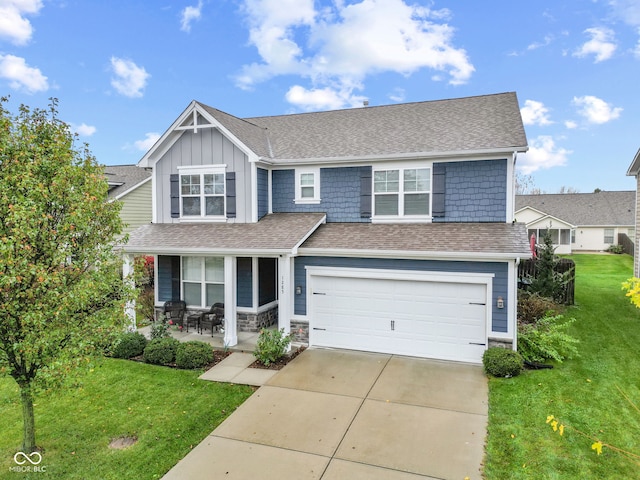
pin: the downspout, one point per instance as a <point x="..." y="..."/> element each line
<point x="515" y="310"/>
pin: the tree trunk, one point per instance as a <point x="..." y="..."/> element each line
<point x="28" y="419"/>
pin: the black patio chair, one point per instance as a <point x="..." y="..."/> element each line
<point x="213" y="318"/>
<point x="174" y="311"/>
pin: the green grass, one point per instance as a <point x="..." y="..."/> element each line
<point x="169" y="410"/>
<point x="582" y="392"/>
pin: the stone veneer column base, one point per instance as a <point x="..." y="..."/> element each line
<point x="501" y="342"/>
<point x="300" y="331"/>
<point x="254" y="322"/>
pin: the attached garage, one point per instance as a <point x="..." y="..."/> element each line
<point x="439" y="315"/>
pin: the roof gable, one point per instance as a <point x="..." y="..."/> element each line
<point x="472" y="125"/>
<point x="124" y="178"/>
<point x="584" y="209"/>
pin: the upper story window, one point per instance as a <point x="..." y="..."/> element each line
<point x="402" y="192"/>
<point x="202" y="192"/>
<point x="307" y="185"/>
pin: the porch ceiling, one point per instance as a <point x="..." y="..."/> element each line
<point x="277" y="233"/>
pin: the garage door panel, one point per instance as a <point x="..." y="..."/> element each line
<point x="409" y="317"/>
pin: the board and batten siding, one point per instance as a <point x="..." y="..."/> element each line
<point x="499" y="269"/>
<point x="206" y="147"/>
<point x="137" y="207"/>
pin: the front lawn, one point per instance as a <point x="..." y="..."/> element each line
<point x="582" y="393"/>
<point x="170" y="411"/>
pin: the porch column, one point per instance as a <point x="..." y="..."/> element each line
<point x="230" y="313"/>
<point x="130" y="307"/>
<point x="285" y="300"/>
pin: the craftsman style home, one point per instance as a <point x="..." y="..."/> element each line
<point x="385" y="229"/>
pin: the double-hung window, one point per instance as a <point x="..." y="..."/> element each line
<point x="402" y="192"/>
<point x="202" y="280"/>
<point x="202" y="192"/>
<point x="307" y="185"/>
<point x="608" y="236"/>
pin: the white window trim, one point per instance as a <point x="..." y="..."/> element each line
<point x="203" y="170"/>
<point x="316" y="186"/>
<point x="401" y="217"/>
<point x="203" y="283"/>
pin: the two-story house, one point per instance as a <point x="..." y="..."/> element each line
<point x="387" y="229"/>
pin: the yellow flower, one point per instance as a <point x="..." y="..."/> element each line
<point x="549" y="418"/>
<point x="597" y="447"/>
<point x="561" y="430"/>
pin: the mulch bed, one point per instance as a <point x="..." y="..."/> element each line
<point x="280" y="363"/>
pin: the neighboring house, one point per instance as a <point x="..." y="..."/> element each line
<point x="386" y="229"/>
<point x="132" y="186"/>
<point x="634" y="170"/>
<point x="578" y="221"/>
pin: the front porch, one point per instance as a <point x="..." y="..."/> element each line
<point x="246" y="340"/>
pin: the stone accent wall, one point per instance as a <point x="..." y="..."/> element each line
<point x="501" y="342"/>
<point x="254" y="322"/>
<point x="300" y="331"/>
<point x="475" y="191"/>
<point x="339" y="194"/>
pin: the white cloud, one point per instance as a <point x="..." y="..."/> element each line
<point x="535" y="113"/>
<point x="190" y="14"/>
<point x="627" y="10"/>
<point x="322" y="98"/>
<point x="398" y="95"/>
<point x="129" y="79"/>
<point x="21" y="76"/>
<point x="595" y="110"/>
<point x="536" y="45"/>
<point x="83" y="129"/>
<point x="543" y="154"/>
<point x="601" y="45"/>
<point x="570" y="124"/>
<point x="150" y="139"/>
<point x="13" y="24"/>
<point x="338" y="46"/>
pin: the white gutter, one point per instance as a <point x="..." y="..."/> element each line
<point x="412" y="255"/>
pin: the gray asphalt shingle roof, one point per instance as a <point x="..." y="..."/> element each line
<point x="443" y="126"/>
<point x="276" y="233"/>
<point x="585" y="209"/>
<point x="127" y="175"/>
<point x="477" y="238"/>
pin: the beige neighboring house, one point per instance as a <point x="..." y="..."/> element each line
<point x="634" y="171"/>
<point x="579" y="221"/>
<point x="132" y="186"/>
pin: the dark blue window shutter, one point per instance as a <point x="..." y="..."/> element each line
<point x="437" y="195"/>
<point x="231" y="194"/>
<point x="174" y="180"/>
<point x="365" y="192"/>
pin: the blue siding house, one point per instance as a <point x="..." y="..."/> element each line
<point x="387" y="229"/>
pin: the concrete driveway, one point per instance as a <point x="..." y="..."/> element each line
<point x="338" y="414"/>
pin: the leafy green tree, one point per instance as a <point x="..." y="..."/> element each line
<point x="62" y="295"/>
<point x="547" y="281"/>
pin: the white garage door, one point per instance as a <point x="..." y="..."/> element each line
<point x="436" y="319"/>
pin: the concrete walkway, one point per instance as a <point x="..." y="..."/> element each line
<point x="336" y="414"/>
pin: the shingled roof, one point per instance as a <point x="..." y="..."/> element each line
<point x="440" y="240"/>
<point x="471" y="124"/>
<point x="585" y="209"/>
<point x="123" y="178"/>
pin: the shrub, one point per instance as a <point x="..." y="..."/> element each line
<point x="193" y="354"/>
<point x="160" y="328"/>
<point x="161" y="351"/>
<point x="501" y="362"/>
<point x="130" y="344"/>
<point x="547" y="339"/>
<point x="618" y="249"/>
<point x="271" y="345"/>
<point x="532" y="307"/>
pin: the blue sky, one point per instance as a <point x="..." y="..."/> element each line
<point x="124" y="70"/>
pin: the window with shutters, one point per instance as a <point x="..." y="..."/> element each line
<point x="202" y="192"/>
<point x="402" y="193"/>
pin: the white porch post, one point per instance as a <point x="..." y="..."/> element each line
<point x="130" y="307"/>
<point x="230" y="313"/>
<point x="285" y="300"/>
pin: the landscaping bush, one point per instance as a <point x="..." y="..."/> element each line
<point x="193" y="354"/>
<point x="547" y="339"/>
<point x="617" y="249"/>
<point x="532" y="307"/>
<point x="271" y="346"/>
<point x="130" y="344"/>
<point x="161" y="351"/>
<point x="501" y="362"/>
<point x="160" y="328"/>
